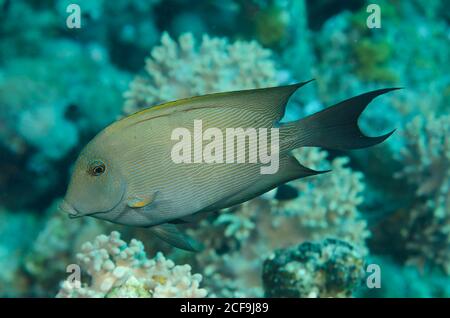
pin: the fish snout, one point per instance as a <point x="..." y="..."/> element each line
<point x="68" y="208"/>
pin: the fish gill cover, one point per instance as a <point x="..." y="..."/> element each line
<point x="380" y="211"/>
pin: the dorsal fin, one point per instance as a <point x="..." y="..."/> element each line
<point x="270" y="101"/>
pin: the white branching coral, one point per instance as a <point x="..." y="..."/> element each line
<point x="54" y="247"/>
<point x="183" y="69"/>
<point x="118" y="269"/>
<point x="327" y="205"/>
<point x="237" y="225"/>
<point x="426" y="158"/>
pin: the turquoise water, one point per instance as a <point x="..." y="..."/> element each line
<point x="376" y="226"/>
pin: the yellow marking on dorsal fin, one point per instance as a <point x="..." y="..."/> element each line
<point x="269" y="100"/>
<point x="178" y="102"/>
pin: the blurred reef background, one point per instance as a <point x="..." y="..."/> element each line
<point x="315" y="237"/>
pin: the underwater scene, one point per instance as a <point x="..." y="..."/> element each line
<point x="321" y="169"/>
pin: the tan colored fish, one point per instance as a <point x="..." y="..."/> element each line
<point x="126" y="174"/>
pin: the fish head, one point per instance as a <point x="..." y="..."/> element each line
<point x="97" y="185"/>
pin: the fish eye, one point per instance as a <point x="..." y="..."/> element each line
<point x="96" y="168"/>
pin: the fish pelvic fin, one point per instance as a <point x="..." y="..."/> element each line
<point x="335" y="127"/>
<point x="169" y="233"/>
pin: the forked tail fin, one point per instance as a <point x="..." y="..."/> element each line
<point x="335" y="127"/>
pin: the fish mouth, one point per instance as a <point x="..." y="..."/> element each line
<point x="74" y="213"/>
<point x="69" y="209"/>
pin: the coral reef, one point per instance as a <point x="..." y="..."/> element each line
<point x="13" y="248"/>
<point x="182" y="69"/>
<point x="326" y="207"/>
<point x="55" y="247"/>
<point x="331" y="268"/>
<point x="426" y="231"/>
<point x="399" y="281"/>
<point x="250" y="229"/>
<point x="389" y="204"/>
<point x="118" y="269"/>
<point x="120" y="26"/>
<point x="48" y="112"/>
<point x="369" y="60"/>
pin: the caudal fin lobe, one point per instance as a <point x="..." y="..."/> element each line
<point x="335" y="127"/>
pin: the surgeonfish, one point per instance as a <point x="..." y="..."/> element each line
<point x="126" y="173"/>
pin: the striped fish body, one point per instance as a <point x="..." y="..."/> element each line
<point x="143" y="153"/>
<point x="127" y="173"/>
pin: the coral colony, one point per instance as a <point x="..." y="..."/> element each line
<point x="121" y="270"/>
<point x="382" y="211"/>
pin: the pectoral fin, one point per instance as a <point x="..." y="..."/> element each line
<point x="172" y="235"/>
<point x="139" y="201"/>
